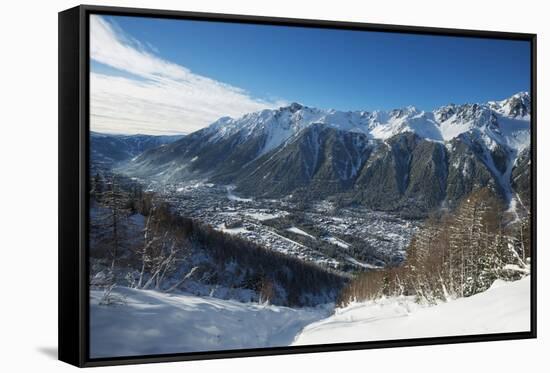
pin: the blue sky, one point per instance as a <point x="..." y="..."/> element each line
<point x="345" y="70"/>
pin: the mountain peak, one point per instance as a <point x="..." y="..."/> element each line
<point x="412" y="109"/>
<point x="515" y="106"/>
<point x="522" y="94"/>
<point x="294" y="107"/>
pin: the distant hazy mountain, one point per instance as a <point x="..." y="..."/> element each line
<point x="109" y="149"/>
<point x="389" y="160"/>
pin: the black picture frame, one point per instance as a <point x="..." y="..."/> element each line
<point x="73" y="181"/>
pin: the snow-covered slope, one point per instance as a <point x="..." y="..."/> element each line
<point x="150" y="322"/>
<point x="505" y="307"/>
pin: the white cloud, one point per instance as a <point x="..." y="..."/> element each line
<point x="164" y="97"/>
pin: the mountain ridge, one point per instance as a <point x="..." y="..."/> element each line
<point x="441" y="124"/>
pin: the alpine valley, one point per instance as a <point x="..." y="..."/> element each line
<point x="405" y="160"/>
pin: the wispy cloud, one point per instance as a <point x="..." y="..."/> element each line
<point x="164" y="97"/>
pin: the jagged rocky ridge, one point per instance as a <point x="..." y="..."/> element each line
<point x="399" y="160"/>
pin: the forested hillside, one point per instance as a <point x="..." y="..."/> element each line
<point x="456" y="254"/>
<point x="138" y="241"/>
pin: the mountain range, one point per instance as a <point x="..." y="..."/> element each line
<point x="111" y="149"/>
<point x="399" y="160"/>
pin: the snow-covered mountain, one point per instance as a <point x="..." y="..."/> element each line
<point x="383" y="159"/>
<point x="500" y="121"/>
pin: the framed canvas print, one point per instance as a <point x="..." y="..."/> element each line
<point x="239" y="186"/>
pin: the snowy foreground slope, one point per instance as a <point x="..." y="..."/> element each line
<point x="502" y="308"/>
<point x="151" y="322"/>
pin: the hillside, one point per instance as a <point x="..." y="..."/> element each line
<point x="505" y="307"/>
<point x="151" y="322"/>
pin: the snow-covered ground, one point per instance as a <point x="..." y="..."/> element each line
<point x="299" y="231"/>
<point x="261" y="215"/>
<point x="151" y="322"/>
<point x="505" y="307"/>
<point x="337" y="242"/>
<point x="361" y="264"/>
<point x="238" y="230"/>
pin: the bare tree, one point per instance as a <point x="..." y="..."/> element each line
<point x="164" y="248"/>
<point x="115" y="199"/>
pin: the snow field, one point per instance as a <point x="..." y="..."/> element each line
<point x="151" y="322"/>
<point x="505" y="307"/>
